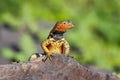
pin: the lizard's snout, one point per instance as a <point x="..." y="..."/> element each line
<point x="70" y="24"/>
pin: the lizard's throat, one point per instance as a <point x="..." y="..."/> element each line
<point x="57" y="36"/>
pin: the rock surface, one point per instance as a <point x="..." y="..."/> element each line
<point x="59" y="68"/>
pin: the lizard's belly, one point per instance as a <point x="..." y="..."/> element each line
<point x="55" y="48"/>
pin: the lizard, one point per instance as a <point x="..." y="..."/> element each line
<point x="55" y="42"/>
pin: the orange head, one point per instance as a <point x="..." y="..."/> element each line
<point x="62" y="26"/>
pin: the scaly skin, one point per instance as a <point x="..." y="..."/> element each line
<point x="55" y="43"/>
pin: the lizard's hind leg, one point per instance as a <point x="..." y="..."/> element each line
<point x="35" y="56"/>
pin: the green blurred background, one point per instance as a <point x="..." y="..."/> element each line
<point x="95" y="40"/>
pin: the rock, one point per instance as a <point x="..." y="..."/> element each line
<point x="59" y="68"/>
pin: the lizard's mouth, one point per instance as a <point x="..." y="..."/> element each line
<point x="69" y="26"/>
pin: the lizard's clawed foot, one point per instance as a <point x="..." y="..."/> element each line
<point x="48" y="57"/>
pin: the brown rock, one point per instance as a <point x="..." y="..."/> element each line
<point x="59" y="68"/>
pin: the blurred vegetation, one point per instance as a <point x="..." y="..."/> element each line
<point x="94" y="40"/>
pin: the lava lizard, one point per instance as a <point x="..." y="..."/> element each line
<point x="55" y="42"/>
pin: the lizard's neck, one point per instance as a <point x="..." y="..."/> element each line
<point x="56" y="35"/>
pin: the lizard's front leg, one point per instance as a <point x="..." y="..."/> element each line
<point x="66" y="47"/>
<point x="47" y="52"/>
